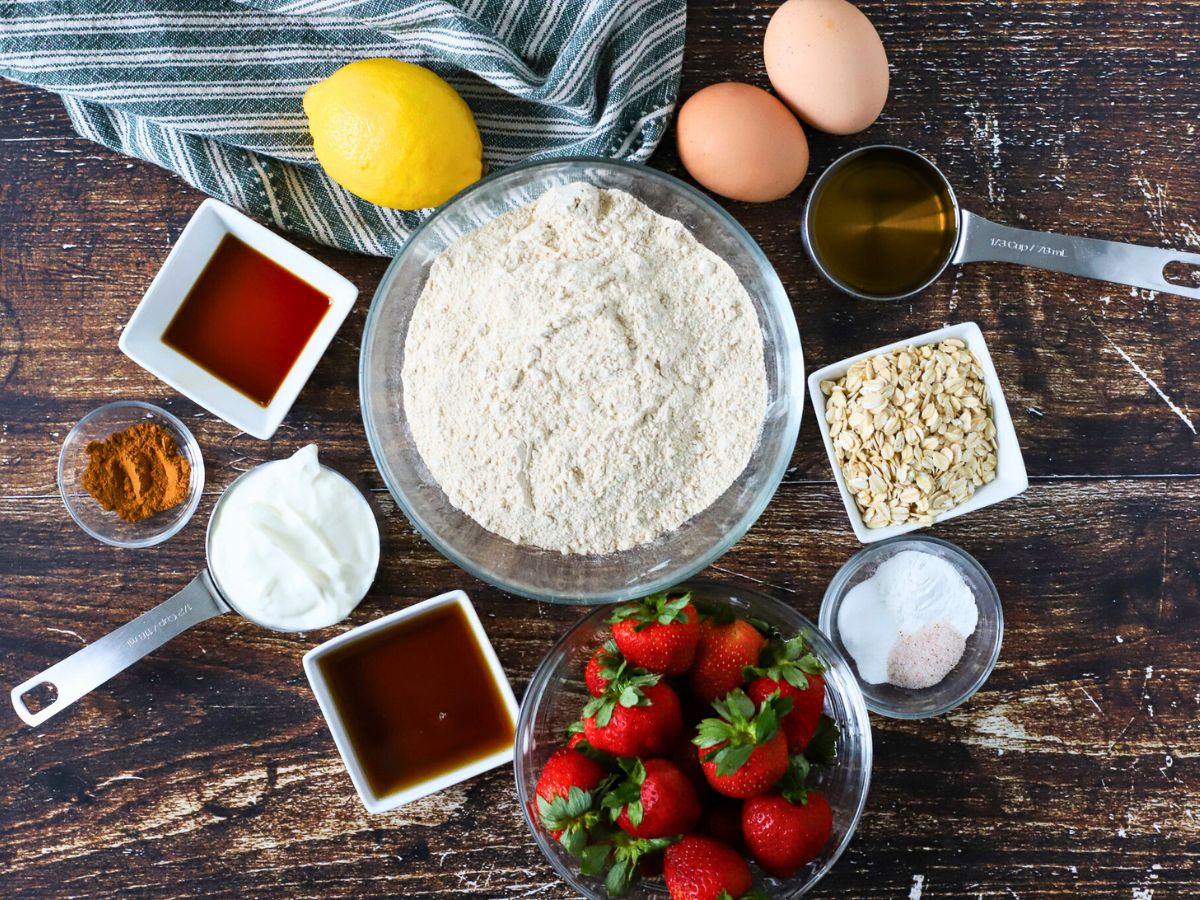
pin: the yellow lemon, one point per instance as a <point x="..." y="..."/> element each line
<point x="393" y="133"/>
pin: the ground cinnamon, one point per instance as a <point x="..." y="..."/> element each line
<point x="137" y="472"/>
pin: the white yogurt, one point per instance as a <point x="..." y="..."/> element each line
<point x="890" y="621"/>
<point x="294" y="545"/>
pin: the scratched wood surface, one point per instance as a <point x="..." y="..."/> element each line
<point x="206" y="769"/>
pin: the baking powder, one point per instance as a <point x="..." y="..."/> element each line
<point x="908" y="623"/>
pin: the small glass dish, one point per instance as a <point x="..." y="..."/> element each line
<point x="556" y="693"/>
<point x="89" y="515"/>
<point x="983" y="647"/>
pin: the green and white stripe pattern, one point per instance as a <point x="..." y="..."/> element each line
<point x="211" y="89"/>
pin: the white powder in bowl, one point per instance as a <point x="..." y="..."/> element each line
<point x="908" y="623"/>
<point x="582" y="375"/>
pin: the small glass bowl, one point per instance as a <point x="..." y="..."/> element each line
<point x="556" y="693"/>
<point x="983" y="647"/>
<point x="90" y="515"/>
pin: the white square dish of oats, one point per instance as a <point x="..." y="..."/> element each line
<point x="918" y="432"/>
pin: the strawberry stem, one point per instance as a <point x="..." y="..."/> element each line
<point x="740" y="729"/>
<point x="625" y="687"/>
<point x="627" y="794"/>
<point x="659" y="609"/>
<point x="786" y="660"/>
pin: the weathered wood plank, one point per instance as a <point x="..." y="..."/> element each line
<point x="1083" y="740"/>
<point x="206" y="769"/>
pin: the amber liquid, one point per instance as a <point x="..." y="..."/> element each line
<point x="884" y="223"/>
<point x="417" y="699"/>
<point x="246" y="320"/>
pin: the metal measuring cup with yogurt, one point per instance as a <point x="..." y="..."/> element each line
<point x="292" y="545"/>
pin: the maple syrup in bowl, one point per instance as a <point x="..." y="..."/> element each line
<point x="416" y="701"/>
<point x="246" y="320"/>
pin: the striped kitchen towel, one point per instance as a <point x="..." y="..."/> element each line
<point x="211" y="89"/>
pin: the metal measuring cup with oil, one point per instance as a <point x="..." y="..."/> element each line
<point x="882" y="223"/>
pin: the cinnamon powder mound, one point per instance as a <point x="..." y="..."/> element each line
<point x="137" y="472"/>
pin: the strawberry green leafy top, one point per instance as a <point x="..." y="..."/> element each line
<point x="625" y="687"/>
<point x="658" y="609"/>
<point x="788" y="661"/>
<point x="740" y="728"/>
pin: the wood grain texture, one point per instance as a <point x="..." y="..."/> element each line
<point x="206" y="769"/>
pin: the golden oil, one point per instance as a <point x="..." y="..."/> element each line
<point x="883" y="223"/>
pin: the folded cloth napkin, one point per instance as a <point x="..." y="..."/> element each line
<point x="211" y="89"/>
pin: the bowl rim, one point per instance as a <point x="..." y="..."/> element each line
<point x="778" y="466"/>
<point x="835" y="594"/>
<point x="856" y="698"/>
<point x="195" y="460"/>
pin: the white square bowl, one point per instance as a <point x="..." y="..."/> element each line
<point x="372" y="801"/>
<point x="1011" y="478"/>
<point x="142" y="339"/>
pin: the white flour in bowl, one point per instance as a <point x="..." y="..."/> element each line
<point x="582" y="375"/>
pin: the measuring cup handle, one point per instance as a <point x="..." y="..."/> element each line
<point x="1129" y="264"/>
<point x="96" y="663"/>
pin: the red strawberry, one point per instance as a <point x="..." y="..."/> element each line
<point x="723" y="652"/>
<point x="658" y="633"/>
<point x="699" y="868"/>
<point x="655" y="799"/>
<point x="801" y="723"/>
<point x="743" y="752"/>
<point x="602" y="668"/>
<point x="635" y="717"/>
<point x="566" y="771"/>
<point x="788" y="667"/>
<point x="784" y="835"/>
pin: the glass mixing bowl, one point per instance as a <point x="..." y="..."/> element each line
<point x="542" y="574"/>
<point x="556" y="694"/>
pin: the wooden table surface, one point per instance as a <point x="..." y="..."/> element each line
<point x="207" y="769"/>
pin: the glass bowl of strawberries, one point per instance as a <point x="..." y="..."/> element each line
<point x="703" y="740"/>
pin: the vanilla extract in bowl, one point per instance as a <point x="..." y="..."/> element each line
<point x="416" y="701"/>
<point x="246" y="320"/>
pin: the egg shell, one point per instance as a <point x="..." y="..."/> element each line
<point x="825" y="59"/>
<point x="739" y="141"/>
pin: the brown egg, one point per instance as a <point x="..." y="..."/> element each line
<point x="826" y="61"/>
<point x="739" y="141"/>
